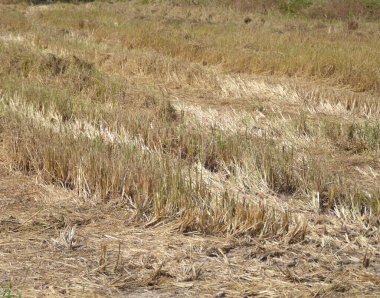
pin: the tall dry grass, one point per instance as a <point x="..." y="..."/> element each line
<point x="80" y="110"/>
<point x="317" y="51"/>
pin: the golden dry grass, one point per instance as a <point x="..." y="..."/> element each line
<point x="187" y="120"/>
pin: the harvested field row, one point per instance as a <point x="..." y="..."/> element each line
<point x="172" y="149"/>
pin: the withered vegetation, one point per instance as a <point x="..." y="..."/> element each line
<point x="190" y="148"/>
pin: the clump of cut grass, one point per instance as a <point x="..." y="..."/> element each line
<point x="368" y="134"/>
<point x="111" y="170"/>
<point x="356" y="137"/>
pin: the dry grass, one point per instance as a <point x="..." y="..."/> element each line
<point x="186" y="116"/>
<point x="106" y="257"/>
<point x="318" y="51"/>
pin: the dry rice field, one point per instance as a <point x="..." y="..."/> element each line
<point x="187" y="149"/>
